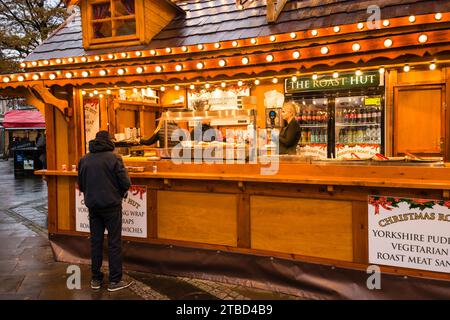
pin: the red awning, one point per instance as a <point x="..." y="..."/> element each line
<point x="23" y="119"/>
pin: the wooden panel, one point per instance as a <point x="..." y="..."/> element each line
<point x="420" y="76"/>
<point x="244" y="221"/>
<point x="259" y="92"/>
<point x="197" y="217"/>
<point x="50" y="137"/>
<point x="152" y="213"/>
<point x="103" y="114"/>
<point x="317" y="228"/>
<point x="157" y="15"/>
<point x="391" y="82"/>
<point x="360" y="232"/>
<point x="418" y="120"/>
<point x="170" y="96"/>
<point x="148" y="123"/>
<point x="125" y="119"/>
<point x="63" y="196"/>
<point x="61" y="141"/>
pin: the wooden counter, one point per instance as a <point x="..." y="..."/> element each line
<point x="296" y="173"/>
<point x="309" y="212"/>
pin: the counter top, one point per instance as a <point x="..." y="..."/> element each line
<point x="365" y="176"/>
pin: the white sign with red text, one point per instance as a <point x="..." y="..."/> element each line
<point x="409" y="233"/>
<point x="134" y="213"/>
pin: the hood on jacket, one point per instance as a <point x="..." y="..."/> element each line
<point x="101" y="145"/>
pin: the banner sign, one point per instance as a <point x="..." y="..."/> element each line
<point x="409" y="233"/>
<point x="91" y="119"/>
<point x="363" y="151"/>
<point x="328" y="82"/>
<point x="134" y="212"/>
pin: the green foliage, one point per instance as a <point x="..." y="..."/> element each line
<point x="24" y="24"/>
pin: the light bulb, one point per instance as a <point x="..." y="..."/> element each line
<point x="245" y="60"/>
<point x="412" y="19"/>
<point x="296" y="54"/>
<point x="269" y="58"/>
<point x="423" y="38"/>
<point x="222" y="63"/>
<point x="388" y="43"/>
<point x="356" y="47"/>
<point x="139" y="69"/>
<point x="324" y="50"/>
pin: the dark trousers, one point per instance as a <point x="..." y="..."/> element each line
<point x="111" y="219"/>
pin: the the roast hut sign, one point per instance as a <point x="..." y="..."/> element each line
<point x="328" y="82"/>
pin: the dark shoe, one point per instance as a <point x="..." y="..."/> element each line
<point x="96" y="284"/>
<point x="116" y="286"/>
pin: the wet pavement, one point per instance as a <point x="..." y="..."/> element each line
<point x="28" y="269"/>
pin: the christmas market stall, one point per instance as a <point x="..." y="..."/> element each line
<point x="366" y="188"/>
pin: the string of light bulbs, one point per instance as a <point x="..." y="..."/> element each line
<point x="263" y="40"/>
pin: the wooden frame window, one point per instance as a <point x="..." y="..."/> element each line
<point x="112" y="21"/>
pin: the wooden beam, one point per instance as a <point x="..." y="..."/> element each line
<point x="48" y="97"/>
<point x="274" y="8"/>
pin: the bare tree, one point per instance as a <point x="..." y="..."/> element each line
<point x="24" y="24"/>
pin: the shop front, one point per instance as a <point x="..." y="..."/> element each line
<point x="25" y="136"/>
<point x="369" y="185"/>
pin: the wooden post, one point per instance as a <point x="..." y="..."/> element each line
<point x="51" y="165"/>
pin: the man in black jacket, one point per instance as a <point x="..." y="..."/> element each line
<point x="104" y="181"/>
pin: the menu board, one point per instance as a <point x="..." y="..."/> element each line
<point x="91" y="119"/>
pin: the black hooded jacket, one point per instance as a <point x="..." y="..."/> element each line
<point x="102" y="176"/>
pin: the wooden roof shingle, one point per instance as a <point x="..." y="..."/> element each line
<point x="210" y="21"/>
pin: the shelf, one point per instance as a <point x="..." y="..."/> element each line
<point x="357" y="124"/>
<point x="235" y="114"/>
<point x="355" y="144"/>
<point x="136" y="104"/>
<point x="313" y="126"/>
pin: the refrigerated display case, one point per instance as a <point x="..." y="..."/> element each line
<point x="340" y="125"/>
<point x="358" y="126"/>
<point x="313" y="118"/>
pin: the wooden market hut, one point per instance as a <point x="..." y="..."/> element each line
<point x="230" y="223"/>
